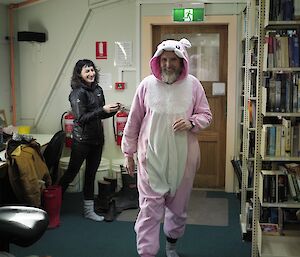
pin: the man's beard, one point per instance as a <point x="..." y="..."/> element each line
<point x="169" y="77"/>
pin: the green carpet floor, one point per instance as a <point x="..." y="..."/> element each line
<point x="79" y="237"/>
<point x="202" y="210"/>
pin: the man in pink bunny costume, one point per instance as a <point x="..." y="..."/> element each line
<point x="168" y="111"/>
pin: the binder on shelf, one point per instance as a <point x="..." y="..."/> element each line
<point x="287" y="132"/>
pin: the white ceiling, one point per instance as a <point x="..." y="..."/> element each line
<point x="6" y="2"/>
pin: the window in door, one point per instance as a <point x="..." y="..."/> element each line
<point x="204" y="54"/>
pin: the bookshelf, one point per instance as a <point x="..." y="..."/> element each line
<point x="277" y="143"/>
<point x="248" y="124"/>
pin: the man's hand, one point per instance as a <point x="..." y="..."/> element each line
<point x="129" y="165"/>
<point x="182" y="124"/>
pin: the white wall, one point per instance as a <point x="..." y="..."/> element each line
<point x="41" y="63"/>
<point x="5" y="101"/>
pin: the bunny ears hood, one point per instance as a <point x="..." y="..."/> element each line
<point x="179" y="48"/>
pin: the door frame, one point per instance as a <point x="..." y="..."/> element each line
<point x="232" y="105"/>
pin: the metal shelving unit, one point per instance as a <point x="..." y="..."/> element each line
<point x="250" y="37"/>
<point x="263" y="245"/>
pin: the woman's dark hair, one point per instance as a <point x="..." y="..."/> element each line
<point x="76" y="79"/>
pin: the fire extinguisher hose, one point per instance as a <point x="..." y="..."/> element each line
<point x="61" y="120"/>
<point x="114" y="128"/>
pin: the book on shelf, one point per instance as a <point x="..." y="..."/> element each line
<point x="237" y="167"/>
<point x="252" y="113"/>
<point x="282" y="186"/>
<point x="293" y="49"/>
<point x="253" y="79"/>
<point x="253" y="53"/>
<point x="270" y="50"/>
<point x="287" y="10"/>
<point x="295" y="140"/>
<point x="251" y="144"/>
<point x="269" y="188"/>
<point x="287" y="126"/>
<point x="282" y="51"/>
<point x="297" y="10"/>
<point x="250" y="174"/>
<point x="249" y="215"/>
<point x="288" y="95"/>
<point x="296" y="81"/>
<point x="292" y="184"/>
<point x="295" y="98"/>
<point x="270" y="229"/>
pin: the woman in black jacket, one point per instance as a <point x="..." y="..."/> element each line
<point x="89" y="108"/>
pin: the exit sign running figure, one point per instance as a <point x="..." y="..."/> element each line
<point x="188" y="14"/>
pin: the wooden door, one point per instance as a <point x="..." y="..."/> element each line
<point x="212" y="140"/>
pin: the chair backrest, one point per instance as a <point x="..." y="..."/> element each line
<point x="53" y="153"/>
<point x="23" y="229"/>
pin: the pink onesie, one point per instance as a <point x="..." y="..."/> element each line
<point x="167" y="160"/>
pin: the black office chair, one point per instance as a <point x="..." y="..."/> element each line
<point x="53" y="153"/>
<point x="21" y="225"/>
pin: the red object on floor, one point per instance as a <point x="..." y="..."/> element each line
<point x="52" y="199"/>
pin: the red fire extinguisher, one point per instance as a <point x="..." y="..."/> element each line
<point x="121" y="119"/>
<point x="68" y="123"/>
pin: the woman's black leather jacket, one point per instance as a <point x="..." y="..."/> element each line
<point x="87" y="106"/>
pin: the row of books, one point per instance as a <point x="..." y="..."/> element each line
<point x="282" y="48"/>
<point x="280" y="186"/>
<point x="275" y="221"/>
<point x="275" y="187"/>
<point x="281" y="10"/>
<point x="281" y="92"/>
<point x="280" y="140"/>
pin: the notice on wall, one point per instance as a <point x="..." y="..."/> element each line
<point x="105" y="81"/>
<point x="123" y="54"/>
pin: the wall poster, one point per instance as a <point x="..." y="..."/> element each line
<point x="123" y="54"/>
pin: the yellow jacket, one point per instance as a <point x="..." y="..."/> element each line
<point x="28" y="173"/>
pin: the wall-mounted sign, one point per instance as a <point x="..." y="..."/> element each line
<point x="123" y="53"/>
<point x="105" y="81"/>
<point x="101" y="50"/>
<point x="188" y="14"/>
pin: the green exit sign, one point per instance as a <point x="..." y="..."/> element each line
<point x="188" y="14"/>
